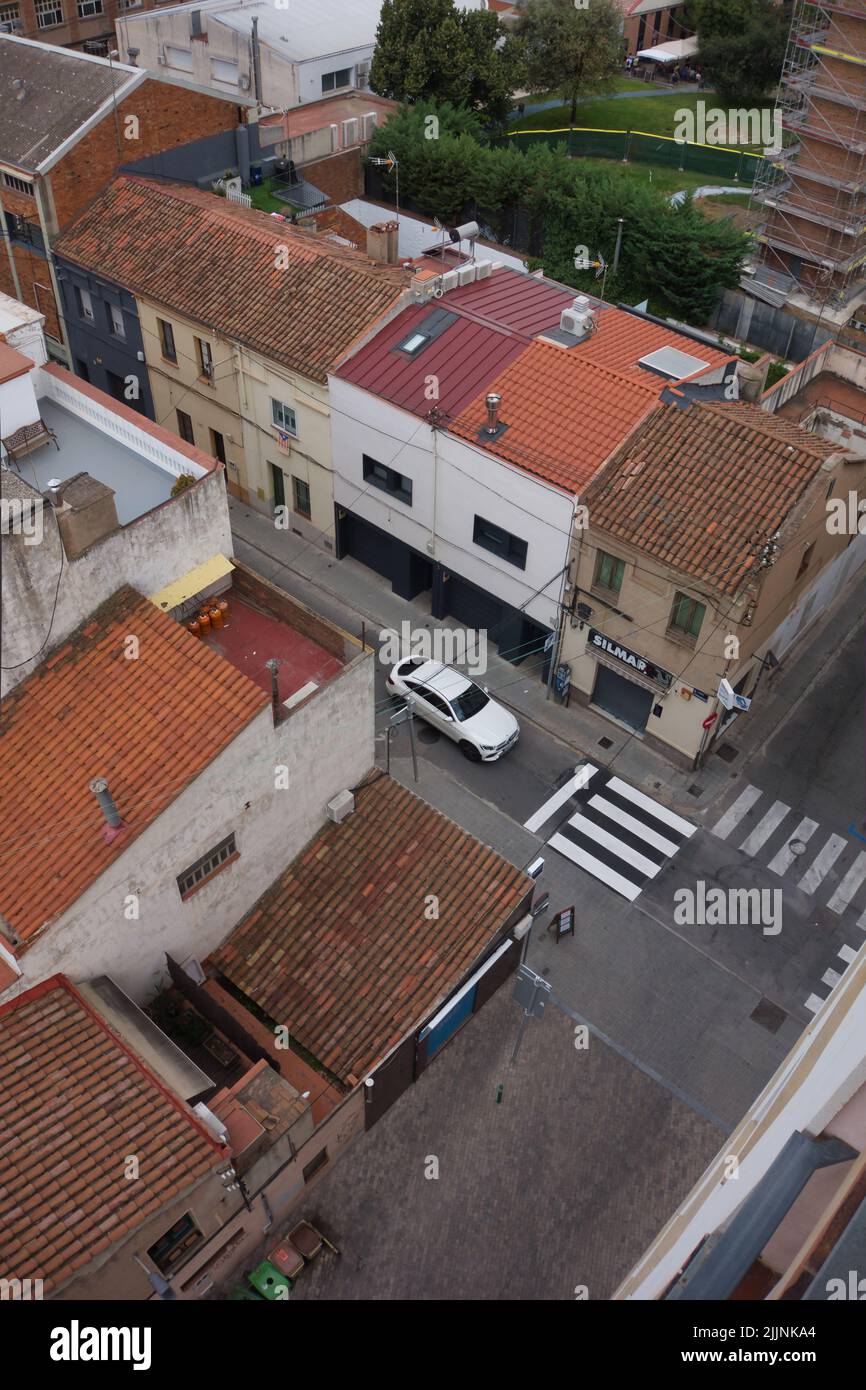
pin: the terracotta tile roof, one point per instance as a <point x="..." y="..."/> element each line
<point x="74" y="1104"/>
<point x="622" y="339"/>
<point x="700" y="488"/>
<point x="214" y="261"/>
<point x="148" y="725"/>
<point x="565" y="416"/>
<point x="339" y="949"/>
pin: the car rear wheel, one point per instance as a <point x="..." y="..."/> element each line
<point x="470" y="751"/>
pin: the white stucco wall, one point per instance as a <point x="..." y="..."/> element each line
<point x="95" y="937"/>
<point x="152" y="551"/>
<point x="469" y="482"/>
<point x="310" y="73"/>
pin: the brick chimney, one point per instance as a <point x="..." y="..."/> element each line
<point x="382" y="242"/>
<point x="85" y="512"/>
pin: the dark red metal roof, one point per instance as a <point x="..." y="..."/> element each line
<point x="494" y="321"/>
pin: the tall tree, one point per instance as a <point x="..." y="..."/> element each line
<point x="741" y="47"/>
<point x="573" y="51"/>
<point x="429" y="50"/>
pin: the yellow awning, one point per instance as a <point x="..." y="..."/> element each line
<point x="173" y="595"/>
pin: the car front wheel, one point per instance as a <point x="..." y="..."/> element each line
<point x="470" y="751"/>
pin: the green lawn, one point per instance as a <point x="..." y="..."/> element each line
<point x="264" y="200"/>
<point x="657" y="115"/>
<point x="661" y="176"/>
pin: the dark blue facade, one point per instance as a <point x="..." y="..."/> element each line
<point x="104" y="335"/>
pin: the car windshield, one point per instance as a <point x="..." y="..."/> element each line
<point x="471" y="702"/>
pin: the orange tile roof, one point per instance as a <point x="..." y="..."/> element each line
<point x="622" y="339"/>
<point x="215" y="262"/>
<point x="148" y="725"/>
<point x="699" y="489"/>
<point x="339" y="949"/>
<point x="75" y="1102"/>
<point x="565" y="416"/>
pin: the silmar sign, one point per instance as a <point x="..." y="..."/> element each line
<point x="639" y="664"/>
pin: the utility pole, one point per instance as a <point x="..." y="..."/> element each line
<point x="620" y="222"/>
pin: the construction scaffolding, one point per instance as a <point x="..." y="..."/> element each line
<point x="813" y="192"/>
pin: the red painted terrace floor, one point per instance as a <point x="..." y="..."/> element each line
<point x="250" y="638"/>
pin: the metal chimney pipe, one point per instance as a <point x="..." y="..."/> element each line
<point x="99" y="787"/>
<point x="493" y="403"/>
<point x="54" y="485"/>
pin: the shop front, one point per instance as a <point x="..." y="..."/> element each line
<point x="627" y="686"/>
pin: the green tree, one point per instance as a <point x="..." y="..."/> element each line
<point x="573" y="51"/>
<point x="430" y="50"/>
<point x="741" y="47"/>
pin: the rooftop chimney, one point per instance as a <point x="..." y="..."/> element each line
<point x="53" y="491"/>
<point x="493" y="402"/>
<point x="99" y="787"/>
<point x="382" y="242"/>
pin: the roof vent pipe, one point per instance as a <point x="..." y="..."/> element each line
<point x="493" y="403"/>
<point x="53" y="490"/>
<point x="99" y="787"/>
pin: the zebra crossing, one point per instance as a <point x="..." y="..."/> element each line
<point x="808" y="864"/>
<point x="618" y="834"/>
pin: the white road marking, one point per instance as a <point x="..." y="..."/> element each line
<point x="655" y="808"/>
<point x="735" y="812"/>
<point x="617" y="847"/>
<point x="765" y="828"/>
<point x="861" y="921"/>
<point x="637" y="827"/>
<point x="822" y="864"/>
<point x="849" y="885"/>
<point x="574" y="784"/>
<point x="813" y="1003"/>
<point x="847" y="953"/>
<point x="595" y="867"/>
<point x="831" y="978"/>
<point x="786" y="856"/>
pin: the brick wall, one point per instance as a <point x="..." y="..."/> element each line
<point x="167" y="116"/>
<point x="35" y="280"/>
<point x="257" y="590"/>
<point x="75" y="30"/>
<point x="340" y="175"/>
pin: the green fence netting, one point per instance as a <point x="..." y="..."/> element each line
<point x="644" y="147"/>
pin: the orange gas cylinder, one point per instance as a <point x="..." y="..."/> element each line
<point x="204" y="621"/>
<point x="224" y="609"/>
<point x="216" y="617"/>
<point x="194" y="627"/>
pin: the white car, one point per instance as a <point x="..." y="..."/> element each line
<point x="482" y="729"/>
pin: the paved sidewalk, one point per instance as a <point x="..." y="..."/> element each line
<point x="342" y="589"/>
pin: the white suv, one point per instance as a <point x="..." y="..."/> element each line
<point x="482" y="729"/>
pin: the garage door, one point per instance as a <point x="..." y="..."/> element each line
<point x="621" y="698"/>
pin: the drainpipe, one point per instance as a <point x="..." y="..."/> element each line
<point x="257" y="60"/>
<point x="49" y="257"/>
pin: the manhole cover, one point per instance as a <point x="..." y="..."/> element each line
<point x="797" y="847"/>
<point x="768" y="1015"/>
<point x="695" y="790"/>
<point x="727" y="752"/>
<point x="428" y="735"/>
<point x="605" y="743"/>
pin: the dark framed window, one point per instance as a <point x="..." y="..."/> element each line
<point x="609" y="572"/>
<point x="686" y="618"/>
<point x="179" y="1241"/>
<point x="184" y="427"/>
<point x="205" y="358"/>
<point x="20" y="185"/>
<point x="166" y="341"/>
<point x="500" y="542"/>
<point x="332" y="81"/>
<point x="114" y="314"/>
<point x="82" y="369"/>
<point x="315" y="1164"/>
<point x="205" y="867"/>
<point x="217" y="446"/>
<point x="437" y="702"/>
<point x="388" y="480"/>
<point x="85" y="304"/>
<point x="284" y="417"/>
<point x="301" y="497"/>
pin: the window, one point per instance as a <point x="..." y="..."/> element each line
<point x="20" y="185"/>
<point x="315" y="1164"/>
<point x="412" y="343"/>
<point x="222" y="70"/>
<point x="205" y="358"/>
<point x="85" y="304"/>
<point x="436" y="701"/>
<point x="501" y="543"/>
<point x="388" y="479"/>
<point x="88" y="8"/>
<point x="206" y="867"/>
<point x="9" y="14"/>
<point x="81" y="369"/>
<point x="115" y="320"/>
<point x="686" y="618"/>
<point x="20" y="229"/>
<point x="172" y="1248"/>
<point x="301" y="495"/>
<point x="48" y="13"/>
<point x="116" y="385"/>
<point x="184" y="427"/>
<point x="217" y="446"/>
<point x="804" y="562"/>
<point x="331" y="81"/>
<point x="609" y="572"/>
<point x="166" y="341"/>
<point x="180" y="58"/>
<point x="284" y="417"/>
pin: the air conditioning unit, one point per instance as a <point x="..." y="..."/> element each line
<point x="450" y="280"/>
<point x="349" y="131"/>
<point x="161" y="59"/>
<point x="483" y="269"/>
<point x="466" y="274"/>
<point x="362" y="74"/>
<point x="579" y="319"/>
<point x="335" y="140"/>
<point x="340" y="806"/>
<point x="244" y="82"/>
<point x="368" y="125"/>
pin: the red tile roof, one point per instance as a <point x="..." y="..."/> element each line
<point x="148" y="725"/>
<point x="565" y="416"/>
<point x="339" y="949"/>
<point x="622" y="339"/>
<point x="12" y="363"/>
<point x="699" y="489"/>
<point x="216" y="262"/>
<point x="75" y="1103"/>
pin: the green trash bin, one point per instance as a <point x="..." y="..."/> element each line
<point x="242" y="1294"/>
<point x="267" y="1280"/>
